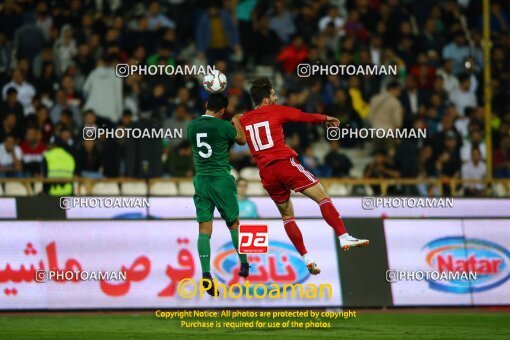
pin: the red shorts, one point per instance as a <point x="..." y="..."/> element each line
<point x="279" y="177"/>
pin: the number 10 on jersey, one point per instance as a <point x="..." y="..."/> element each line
<point x="254" y="131"/>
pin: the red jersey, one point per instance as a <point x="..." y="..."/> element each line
<point x="264" y="131"/>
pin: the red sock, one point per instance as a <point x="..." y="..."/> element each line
<point x="295" y="235"/>
<point x="332" y="216"/>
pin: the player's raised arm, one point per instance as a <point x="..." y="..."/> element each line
<point x="290" y="114"/>
<point x="241" y="136"/>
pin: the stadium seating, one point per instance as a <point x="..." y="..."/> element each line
<point x="16" y="189"/>
<point x="163" y="188"/>
<point x="250" y="173"/>
<point x="134" y="189"/>
<point x="105" y="189"/>
<point x="186" y="188"/>
<point x="255" y="189"/>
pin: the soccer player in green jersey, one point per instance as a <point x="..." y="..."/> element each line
<point x="211" y="137"/>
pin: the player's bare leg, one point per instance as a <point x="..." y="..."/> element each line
<point x="295" y="236"/>
<point x="204" y="251"/>
<point x="332" y="217"/>
<point x="244" y="270"/>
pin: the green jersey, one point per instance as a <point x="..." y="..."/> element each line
<point x="210" y="139"/>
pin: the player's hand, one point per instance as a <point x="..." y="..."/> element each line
<point x="332" y="122"/>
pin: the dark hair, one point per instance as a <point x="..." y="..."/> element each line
<point x="11" y="90"/>
<point x="240" y="179"/>
<point x="260" y="89"/>
<point x="216" y="102"/>
<point x="394" y="84"/>
<point x="67" y="112"/>
<point x="463" y="77"/>
<point x="184" y="144"/>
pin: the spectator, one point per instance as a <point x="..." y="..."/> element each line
<point x="462" y="97"/>
<point x="10" y="127"/>
<point x="501" y="159"/>
<point x="11" y="104"/>
<point x="457" y="51"/>
<point x="380" y="168"/>
<point x="448" y="163"/>
<point x="474" y="142"/>
<point x="237" y="88"/>
<point x="311" y="162"/>
<point x="339" y="163"/>
<point x="178" y="122"/>
<point x="43" y="123"/>
<point x="268" y="43"/>
<point x="10" y="158"/>
<point x="247" y="208"/>
<point x="450" y="81"/>
<point x="45" y="57"/>
<point x="43" y="20"/>
<point x="156" y="19"/>
<point x="412" y="100"/>
<point x="63" y="104"/>
<point x="164" y="53"/>
<point x="58" y="164"/>
<point x="292" y="55"/>
<point x="103" y="90"/>
<point x="179" y="163"/>
<point x="385" y="109"/>
<point x="386" y="113"/>
<point x="474" y="169"/>
<point x="281" y="22"/>
<point x="29" y="39"/>
<point x="217" y="35"/>
<point x="48" y="81"/>
<point x="33" y="150"/>
<point x="89" y="159"/>
<point x="24" y="89"/>
<point x="332" y="17"/>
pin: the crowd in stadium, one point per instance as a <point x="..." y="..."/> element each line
<point x="57" y="76"/>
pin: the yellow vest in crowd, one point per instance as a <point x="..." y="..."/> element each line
<point x="60" y="164"/>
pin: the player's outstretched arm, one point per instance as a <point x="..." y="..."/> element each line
<point x="241" y="136"/>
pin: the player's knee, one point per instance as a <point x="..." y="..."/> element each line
<point x="233" y="225"/>
<point x="205" y="228"/>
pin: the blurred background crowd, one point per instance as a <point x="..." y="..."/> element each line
<point x="57" y="76"/>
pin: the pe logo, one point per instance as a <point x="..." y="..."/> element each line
<point x="253" y="239"/>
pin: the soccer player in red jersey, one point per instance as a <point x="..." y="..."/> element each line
<point x="280" y="170"/>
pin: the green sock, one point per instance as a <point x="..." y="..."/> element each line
<point x="204" y="250"/>
<point x="235" y="242"/>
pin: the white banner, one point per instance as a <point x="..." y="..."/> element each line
<point x="155" y="255"/>
<point x="8" y="208"/>
<point x="182" y="207"/>
<point x="417" y="248"/>
<point x="488" y="243"/>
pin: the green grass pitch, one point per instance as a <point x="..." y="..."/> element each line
<point x="367" y="325"/>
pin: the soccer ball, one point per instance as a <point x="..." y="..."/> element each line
<point x="215" y="82"/>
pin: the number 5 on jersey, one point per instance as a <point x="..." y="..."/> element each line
<point x="200" y="144"/>
<point x="254" y="131"/>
